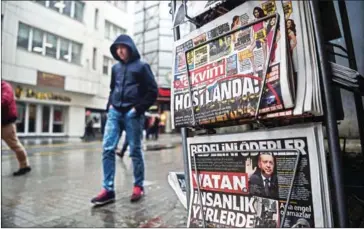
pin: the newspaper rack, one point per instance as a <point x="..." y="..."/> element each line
<point x="329" y="115"/>
<point x="241" y="151"/>
<point x="276" y="16"/>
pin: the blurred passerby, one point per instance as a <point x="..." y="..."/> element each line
<point x="132" y="91"/>
<point x="154" y="128"/>
<point x="103" y="122"/>
<point x="8" y="128"/>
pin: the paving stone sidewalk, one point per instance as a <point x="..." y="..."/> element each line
<point x="57" y="192"/>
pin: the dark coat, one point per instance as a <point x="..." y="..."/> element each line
<point x="132" y="83"/>
<point x="8" y="105"/>
<point x="256" y="185"/>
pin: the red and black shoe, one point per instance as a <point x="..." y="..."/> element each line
<point x="138" y="193"/>
<point x="104" y="197"/>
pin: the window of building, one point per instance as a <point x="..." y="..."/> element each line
<point x="96" y="18"/>
<point x="58" y="119"/>
<point x="20" y="121"/>
<point x="76" y="53"/>
<point x="119" y="4"/>
<point x="112" y="31"/>
<point x="23" y="36"/>
<point x="79" y="7"/>
<point x="65" y="50"/>
<point x="55" y="5"/>
<point x="67" y="10"/>
<point x="41" y="2"/>
<point x="107" y="65"/>
<point x="51" y="45"/>
<point x="73" y="9"/>
<point x="94" y="56"/>
<point x="44" y="43"/>
<point x="37" y="41"/>
<point x="107" y="29"/>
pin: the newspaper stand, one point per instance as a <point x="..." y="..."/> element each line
<point x="329" y="120"/>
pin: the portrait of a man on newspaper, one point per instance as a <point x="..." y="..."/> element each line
<point x="263" y="182"/>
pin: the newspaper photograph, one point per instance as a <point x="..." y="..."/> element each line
<point x="177" y="181"/>
<point x="250" y="188"/>
<point x="226" y="74"/>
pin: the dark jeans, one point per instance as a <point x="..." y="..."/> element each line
<point x="133" y="125"/>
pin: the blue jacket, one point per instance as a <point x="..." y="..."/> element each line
<point x="132" y="83"/>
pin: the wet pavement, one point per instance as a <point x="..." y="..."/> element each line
<point x="66" y="175"/>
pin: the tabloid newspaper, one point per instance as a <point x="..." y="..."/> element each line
<point x="226" y="74"/>
<point x="249" y="189"/>
<point x="177" y="181"/>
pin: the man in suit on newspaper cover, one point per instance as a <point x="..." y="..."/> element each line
<point x="263" y="182"/>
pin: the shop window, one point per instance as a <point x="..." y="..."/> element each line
<point x="23" y="36"/>
<point x="58" y="122"/>
<point x="20" y="122"/>
<point x="32" y="119"/>
<point x="46" y="112"/>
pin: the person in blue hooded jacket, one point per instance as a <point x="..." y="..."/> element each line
<point x="132" y="91"/>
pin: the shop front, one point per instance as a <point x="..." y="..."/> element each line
<point x="41" y="113"/>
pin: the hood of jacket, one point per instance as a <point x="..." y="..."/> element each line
<point x="127" y="41"/>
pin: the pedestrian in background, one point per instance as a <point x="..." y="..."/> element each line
<point x="132" y="91"/>
<point x="8" y="128"/>
<point x="103" y="122"/>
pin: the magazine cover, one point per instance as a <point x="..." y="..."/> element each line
<point x="226" y="74"/>
<point x="249" y="189"/>
<point x="295" y="44"/>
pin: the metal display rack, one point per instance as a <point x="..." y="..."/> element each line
<point x="330" y="119"/>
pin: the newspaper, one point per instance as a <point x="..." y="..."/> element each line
<point x="295" y="41"/>
<point x="249" y="189"/>
<point x="177" y="181"/>
<point x="226" y="74"/>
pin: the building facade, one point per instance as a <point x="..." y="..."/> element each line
<point x="56" y="56"/>
<point x="153" y="35"/>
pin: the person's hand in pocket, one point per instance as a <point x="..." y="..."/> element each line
<point x="131" y="113"/>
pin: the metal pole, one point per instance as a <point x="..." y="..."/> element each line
<point x="330" y="120"/>
<point x="352" y="64"/>
<point x="177" y="36"/>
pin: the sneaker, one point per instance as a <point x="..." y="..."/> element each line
<point x="138" y="193"/>
<point x="22" y="171"/>
<point x="103" y="197"/>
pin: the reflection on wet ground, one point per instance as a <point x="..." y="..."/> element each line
<point x="57" y="192"/>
